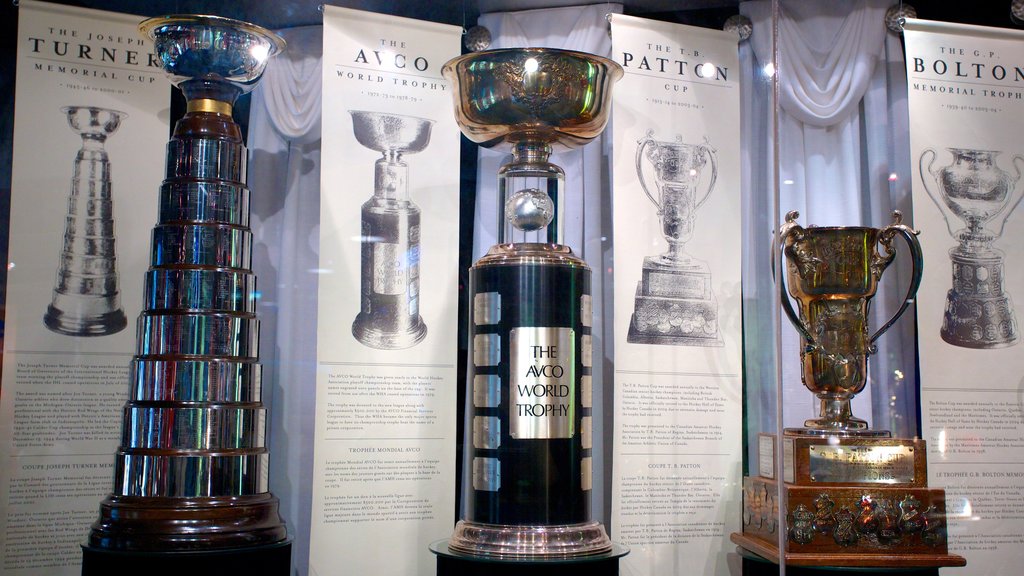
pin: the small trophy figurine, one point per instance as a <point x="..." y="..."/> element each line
<point x="674" y="302"/>
<point x="978" y="314"/>
<point x="389" y="315"/>
<point x="529" y="410"/>
<point x="86" y="299"/>
<point x="190" y="474"/>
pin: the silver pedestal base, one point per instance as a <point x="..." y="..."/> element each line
<point x="530" y="541"/>
<point x="364" y="331"/>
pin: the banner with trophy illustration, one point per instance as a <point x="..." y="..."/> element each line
<point x="677" y="294"/>
<point x="91" y="106"/>
<point x="384" y="458"/>
<point x="966" y="100"/>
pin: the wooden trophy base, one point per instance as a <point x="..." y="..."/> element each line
<point x="270" y="559"/>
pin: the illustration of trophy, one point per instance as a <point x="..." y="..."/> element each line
<point x="389" y="315"/>
<point x="842" y="482"/>
<point x="191" y="471"/>
<point x="674" y="303"/>
<point x="978" y="313"/>
<point x="529" y="412"/>
<point x="86" y="299"/>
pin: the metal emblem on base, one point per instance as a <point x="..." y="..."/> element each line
<point x="529" y="412"/>
<point x="978" y="314"/>
<point x="191" y="471"/>
<point x="674" y="302"/>
<point x="86" y="299"/>
<point x="389" y="315"/>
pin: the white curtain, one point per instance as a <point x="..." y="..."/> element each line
<point x="284" y="179"/>
<point x="587" y="190"/>
<point x="842" y="99"/>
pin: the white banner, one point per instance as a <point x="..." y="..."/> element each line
<point x="966" y="97"/>
<point x="384" y="458"/>
<point x="678" y="411"/>
<point x="90" y="124"/>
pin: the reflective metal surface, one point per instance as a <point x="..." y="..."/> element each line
<point x="974" y="190"/>
<point x="833" y="273"/>
<point x="86" y="299"/>
<point x="530" y="541"/>
<point x="389" y="315"/>
<point x="191" y="471"/>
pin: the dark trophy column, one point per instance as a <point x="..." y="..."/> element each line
<point x="191" y="474"/>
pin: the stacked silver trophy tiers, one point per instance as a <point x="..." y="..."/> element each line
<point x="191" y="470"/>
<point x="86" y="300"/>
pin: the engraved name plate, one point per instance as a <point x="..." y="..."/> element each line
<point x="766" y="456"/>
<point x="868" y="464"/>
<point x="543" y="384"/>
<point x="487" y="308"/>
<point x="486" y="474"/>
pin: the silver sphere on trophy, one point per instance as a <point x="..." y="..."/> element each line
<point x="833" y="273"/>
<point x="974" y="190"/>
<point x="527" y="457"/>
<point x="191" y="471"/>
<point x="674" y="302"/>
<point x="86" y="299"/>
<point x="389" y="315"/>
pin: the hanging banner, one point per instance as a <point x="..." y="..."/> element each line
<point x="678" y="413"/>
<point x="966" y="98"/>
<point x="384" y="458"/>
<point x="90" y="119"/>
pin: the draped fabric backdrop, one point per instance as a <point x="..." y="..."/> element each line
<point x="843" y="160"/>
<point x="587" y="187"/>
<point x="284" y="176"/>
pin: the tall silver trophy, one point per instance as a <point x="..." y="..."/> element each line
<point x="974" y="190"/>
<point x="674" y="302"/>
<point x="86" y="299"/>
<point x="389" y="314"/>
<point x="527" y="457"/>
<point x="191" y="470"/>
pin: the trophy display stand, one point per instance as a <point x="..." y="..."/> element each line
<point x="854" y="496"/>
<point x="451" y="563"/>
<point x="674" y="303"/>
<point x="86" y="300"/>
<point x="527" y="460"/>
<point x="389" y="316"/>
<point x="191" y="485"/>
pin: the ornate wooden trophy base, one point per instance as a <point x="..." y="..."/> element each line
<point x="266" y="559"/>
<point x="858" y="502"/>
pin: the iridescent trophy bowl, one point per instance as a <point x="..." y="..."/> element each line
<point x="389" y="316"/>
<point x="86" y="299"/>
<point x="529" y="412"/>
<point x="974" y="190"/>
<point x="191" y="469"/>
<point x="832" y="274"/>
<point x="674" y="302"/>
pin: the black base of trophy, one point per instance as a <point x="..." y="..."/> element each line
<point x="271" y="559"/>
<point x="754" y="565"/>
<point x="459" y="564"/>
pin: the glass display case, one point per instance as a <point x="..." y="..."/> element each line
<point x="791" y="255"/>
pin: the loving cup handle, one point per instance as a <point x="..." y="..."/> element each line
<point x="926" y="174"/>
<point x="790" y="228"/>
<point x="885" y="238"/>
<point x="640" y="168"/>
<point x="714" y="172"/>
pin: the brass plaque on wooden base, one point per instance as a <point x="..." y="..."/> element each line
<point x="847" y="461"/>
<point x="849" y="526"/>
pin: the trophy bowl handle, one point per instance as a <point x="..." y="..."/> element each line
<point x="640" y="169"/>
<point x="714" y="171"/>
<point x="926" y="172"/>
<point x="790" y="228"/>
<point x="1018" y="190"/>
<point x="917" y="261"/>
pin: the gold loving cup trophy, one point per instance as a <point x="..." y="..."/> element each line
<point x="853" y="496"/>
